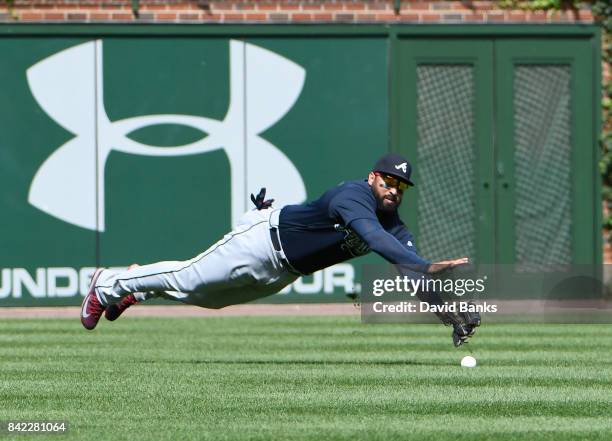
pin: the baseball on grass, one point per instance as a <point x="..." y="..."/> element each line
<point x="468" y="361"/>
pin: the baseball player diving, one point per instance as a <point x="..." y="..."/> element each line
<point x="270" y="248"/>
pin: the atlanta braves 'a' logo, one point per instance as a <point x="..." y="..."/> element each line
<point x="401" y="166"/>
<point x="69" y="87"/>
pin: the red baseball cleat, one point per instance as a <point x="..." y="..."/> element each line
<point x="116" y="309"/>
<point x="91" y="309"/>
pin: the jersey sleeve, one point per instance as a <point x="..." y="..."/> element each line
<point x="353" y="204"/>
<point x="388" y="246"/>
<point x="401" y="233"/>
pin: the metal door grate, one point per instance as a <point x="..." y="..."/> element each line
<point x="446" y="160"/>
<point x="542" y="160"/>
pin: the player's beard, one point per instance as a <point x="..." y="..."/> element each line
<point x="388" y="203"/>
<point x="381" y="195"/>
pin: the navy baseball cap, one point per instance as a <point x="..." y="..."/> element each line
<point x="394" y="165"/>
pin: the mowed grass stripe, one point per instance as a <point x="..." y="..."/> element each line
<point x="305" y="378"/>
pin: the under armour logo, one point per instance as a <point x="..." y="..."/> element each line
<point x="401" y="166"/>
<point x="68" y="86"/>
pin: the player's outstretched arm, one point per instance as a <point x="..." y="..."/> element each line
<point x="387" y="245"/>
<point x="392" y="250"/>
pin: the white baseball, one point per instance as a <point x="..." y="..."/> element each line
<point x="468" y="361"/>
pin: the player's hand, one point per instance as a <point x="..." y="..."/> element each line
<point x="462" y="332"/>
<point x="259" y="200"/>
<point x="464" y="323"/>
<point x="466" y="327"/>
<point x="447" y="264"/>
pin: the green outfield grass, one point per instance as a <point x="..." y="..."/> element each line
<point x="305" y="378"/>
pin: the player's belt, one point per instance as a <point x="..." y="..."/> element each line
<point x="279" y="249"/>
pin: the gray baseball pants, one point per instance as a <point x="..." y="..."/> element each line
<point x="241" y="267"/>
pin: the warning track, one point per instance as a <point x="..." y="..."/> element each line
<point x="319" y="309"/>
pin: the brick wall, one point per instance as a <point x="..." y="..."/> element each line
<point x="280" y="11"/>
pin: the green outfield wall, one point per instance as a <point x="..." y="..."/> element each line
<point x="122" y="144"/>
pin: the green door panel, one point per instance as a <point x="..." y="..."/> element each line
<point x="501" y="135"/>
<point x="545" y="164"/>
<point x="445" y="128"/>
